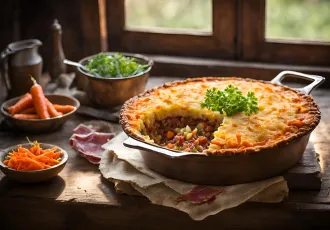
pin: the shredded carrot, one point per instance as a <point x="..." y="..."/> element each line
<point x="35" y="158"/>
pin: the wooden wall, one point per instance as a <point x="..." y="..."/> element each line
<point x="82" y="36"/>
<point x="21" y="19"/>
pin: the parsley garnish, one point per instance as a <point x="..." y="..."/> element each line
<point x="114" y="66"/>
<point x="230" y="101"/>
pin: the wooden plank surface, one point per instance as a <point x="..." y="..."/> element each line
<point x="81" y="198"/>
<point x="307" y="173"/>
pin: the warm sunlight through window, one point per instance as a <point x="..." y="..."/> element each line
<point x="180" y="15"/>
<point x="298" y="19"/>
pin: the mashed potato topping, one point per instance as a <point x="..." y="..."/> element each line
<point x="283" y="114"/>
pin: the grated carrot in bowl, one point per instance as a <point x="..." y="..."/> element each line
<point x="35" y="158"/>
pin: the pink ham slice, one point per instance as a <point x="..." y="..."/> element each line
<point x="83" y="129"/>
<point x="200" y="194"/>
<point x="89" y="143"/>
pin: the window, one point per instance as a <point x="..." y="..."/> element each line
<point x="182" y="16"/>
<point x="272" y="31"/>
<point x="298" y="19"/>
<point x="260" y="41"/>
<point x="214" y="37"/>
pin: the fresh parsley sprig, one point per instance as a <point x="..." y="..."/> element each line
<point x="230" y="101"/>
<point x="114" y="66"/>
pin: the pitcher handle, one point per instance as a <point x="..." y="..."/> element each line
<point x="3" y="59"/>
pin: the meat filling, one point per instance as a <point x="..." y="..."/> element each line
<point x="183" y="133"/>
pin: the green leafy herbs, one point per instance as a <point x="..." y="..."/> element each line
<point x="114" y="66"/>
<point x="230" y="101"/>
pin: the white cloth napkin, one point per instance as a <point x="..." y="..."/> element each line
<point x="126" y="169"/>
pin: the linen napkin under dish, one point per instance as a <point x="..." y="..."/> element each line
<point x="126" y="169"/>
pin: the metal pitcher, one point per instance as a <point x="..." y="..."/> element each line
<point x="18" y="62"/>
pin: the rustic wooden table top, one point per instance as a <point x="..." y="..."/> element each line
<point x="81" y="198"/>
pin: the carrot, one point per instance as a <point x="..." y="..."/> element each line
<point x="170" y="145"/>
<point x="64" y="108"/>
<point x="23" y="103"/>
<point x="51" y="109"/>
<point x="39" y="100"/>
<point x="35" y="149"/>
<point x="26" y="116"/>
<point x="169" y="134"/>
<point x="217" y="142"/>
<point x="31" y="110"/>
<point x="34" y="158"/>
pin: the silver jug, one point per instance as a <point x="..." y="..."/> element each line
<point x="18" y="62"/>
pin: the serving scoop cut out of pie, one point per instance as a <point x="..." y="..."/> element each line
<point x="171" y="116"/>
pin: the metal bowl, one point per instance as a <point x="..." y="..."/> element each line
<point x="36" y="175"/>
<point x="110" y="92"/>
<point x="40" y="125"/>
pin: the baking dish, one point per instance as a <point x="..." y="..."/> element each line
<point x="227" y="169"/>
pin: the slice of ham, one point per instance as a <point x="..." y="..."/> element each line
<point x="200" y="194"/>
<point x="83" y="129"/>
<point x="88" y="142"/>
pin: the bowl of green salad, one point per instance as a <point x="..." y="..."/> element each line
<point x="113" y="78"/>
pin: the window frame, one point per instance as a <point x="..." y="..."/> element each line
<point x="255" y="46"/>
<point x="220" y="44"/>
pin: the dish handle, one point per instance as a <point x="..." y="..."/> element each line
<point x="317" y="80"/>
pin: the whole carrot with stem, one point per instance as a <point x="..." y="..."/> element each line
<point x="23" y="103"/>
<point x="39" y="100"/>
<point x="51" y="109"/>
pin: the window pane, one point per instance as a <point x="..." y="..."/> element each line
<point x="302" y="19"/>
<point x="174" y="14"/>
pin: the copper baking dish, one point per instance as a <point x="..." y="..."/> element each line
<point x="198" y="168"/>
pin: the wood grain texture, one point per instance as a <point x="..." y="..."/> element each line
<point x="115" y="21"/>
<point x="9" y="25"/>
<point x="80" y="198"/>
<point x="90" y="27"/>
<point x="79" y="21"/>
<point x="307" y="173"/>
<point x="223" y="23"/>
<point x="9" y="22"/>
<point x="191" y="67"/>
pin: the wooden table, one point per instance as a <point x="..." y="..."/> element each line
<point x="81" y="199"/>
